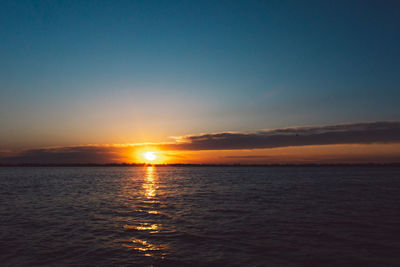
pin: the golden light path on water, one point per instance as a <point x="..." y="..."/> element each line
<point x="150" y="186"/>
<point x="147" y="196"/>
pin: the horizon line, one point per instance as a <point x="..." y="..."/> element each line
<point x="339" y="164"/>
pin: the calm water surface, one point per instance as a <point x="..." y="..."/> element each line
<point x="257" y="216"/>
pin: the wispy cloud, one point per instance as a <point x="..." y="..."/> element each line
<point x="355" y="133"/>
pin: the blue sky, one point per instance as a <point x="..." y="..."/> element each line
<point x="81" y="72"/>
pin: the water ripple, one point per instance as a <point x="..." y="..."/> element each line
<point x="199" y="216"/>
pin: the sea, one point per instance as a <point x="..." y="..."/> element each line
<point x="200" y="216"/>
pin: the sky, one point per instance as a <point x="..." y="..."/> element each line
<point x="94" y="80"/>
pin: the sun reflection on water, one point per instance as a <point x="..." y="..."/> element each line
<point x="146" y="227"/>
<point x="144" y="246"/>
<point x="150" y="185"/>
<point x="143" y="227"/>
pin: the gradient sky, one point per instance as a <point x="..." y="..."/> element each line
<point x="117" y="72"/>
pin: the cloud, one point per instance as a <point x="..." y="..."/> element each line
<point x="355" y="133"/>
<point x="76" y="154"/>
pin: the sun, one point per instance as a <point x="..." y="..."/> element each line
<point x="150" y="156"/>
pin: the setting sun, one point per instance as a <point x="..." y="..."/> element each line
<point x="150" y="156"/>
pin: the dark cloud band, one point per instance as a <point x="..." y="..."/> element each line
<point x="67" y="155"/>
<point x="356" y="133"/>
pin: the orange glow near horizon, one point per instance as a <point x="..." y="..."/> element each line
<point x="341" y="153"/>
<point x="349" y="153"/>
<point x="155" y="154"/>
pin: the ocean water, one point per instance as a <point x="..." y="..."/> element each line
<point x="200" y="216"/>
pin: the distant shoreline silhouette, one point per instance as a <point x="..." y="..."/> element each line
<point x="395" y="164"/>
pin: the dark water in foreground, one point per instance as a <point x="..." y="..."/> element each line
<point x="293" y="216"/>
